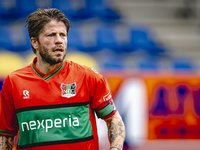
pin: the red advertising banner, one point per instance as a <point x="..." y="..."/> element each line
<point x="174" y="107"/>
<point x="173" y="103"/>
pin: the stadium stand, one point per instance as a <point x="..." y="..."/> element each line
<point x="96" y="26"/>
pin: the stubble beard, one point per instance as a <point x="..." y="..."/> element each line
<point x="46" y="57"/>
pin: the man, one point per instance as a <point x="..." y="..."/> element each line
<point x="52" y="102"/>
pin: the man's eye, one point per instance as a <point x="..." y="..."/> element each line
<point x="63" y="35"/>
<point x="50" y="35"/>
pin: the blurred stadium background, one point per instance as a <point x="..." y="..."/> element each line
<point x="148" y="50"/>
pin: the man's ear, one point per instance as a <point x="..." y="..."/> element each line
<point x="34" y="43"/>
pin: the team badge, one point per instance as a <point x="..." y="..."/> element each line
<point x="68" y="90"/>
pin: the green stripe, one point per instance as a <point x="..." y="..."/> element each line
<point x="6" y="132"/>
<point x="55" y="72"/>
<point x="41" y="75"/>
<point x="51" y="75"/>
<point x="105" y="111"/>
<point x="54" y="124"/>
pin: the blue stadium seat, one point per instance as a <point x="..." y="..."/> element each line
<point x="83" y="40"/>
<point x="89" y="40"/>
<point x="103" y="9"/>
<point x="112" y="63"/>
<point x="157" y="49"/>
<point x="26" y="7"/>
<point x="8" y="10"/>
<point x="4" y="37"/>
<point x="74" y="39"/>
<point x="107" y="38"/>
<point x="183" y="64"/>
<point x="148" y="64"/>
<point x="143" y="38"/>
<point x="140" y="39"/>
<point x="13" y="39"/>
<point x="73" y="10"/>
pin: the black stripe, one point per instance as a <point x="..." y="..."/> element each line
<point x="97" y="109"/>
<point x="55" y="142"/>
<point x="51" y="106"/>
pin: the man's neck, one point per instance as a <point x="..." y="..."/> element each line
<point x="45" y="67"/>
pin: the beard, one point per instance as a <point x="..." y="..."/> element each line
<point x="48" y="58"/>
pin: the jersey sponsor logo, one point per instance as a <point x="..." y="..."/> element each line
<point x="26" y="94"/>
<point x="68" y="90"/>
<point x="48" y="124"/>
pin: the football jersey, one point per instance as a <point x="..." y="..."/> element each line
<point x="55" y="110"/>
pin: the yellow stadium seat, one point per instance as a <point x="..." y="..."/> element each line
<point x="83" y="59"/>
<point x="29" y="58"/>
<point x="9" y="62"/>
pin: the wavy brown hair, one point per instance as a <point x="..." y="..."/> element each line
<point x="38" y="19"/>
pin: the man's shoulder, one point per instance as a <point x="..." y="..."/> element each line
<point x="75" y="67"/>
<point x="18" y="74"/>
<point x="21" y="71"/>
<point x="83" y="68"/>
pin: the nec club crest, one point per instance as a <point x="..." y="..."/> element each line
<point x="68" y="90"/>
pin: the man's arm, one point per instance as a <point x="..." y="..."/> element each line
<point x="116" y="132"/>
<point x="6" y="142"/>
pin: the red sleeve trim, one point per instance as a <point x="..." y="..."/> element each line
<point x="2" y="132"/>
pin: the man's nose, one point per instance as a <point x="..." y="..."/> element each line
<point x="58" y="39"/>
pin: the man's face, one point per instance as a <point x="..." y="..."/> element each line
<point x="53" y="42"/>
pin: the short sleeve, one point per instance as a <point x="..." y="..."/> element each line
<point x="102" y="102"/>
<point x="9" y="123"/>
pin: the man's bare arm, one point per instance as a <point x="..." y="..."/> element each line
<point x="116" y="132"/>
<point x="6" y="142"/>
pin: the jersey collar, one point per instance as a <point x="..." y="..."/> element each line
<point x="50" y="74"/>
